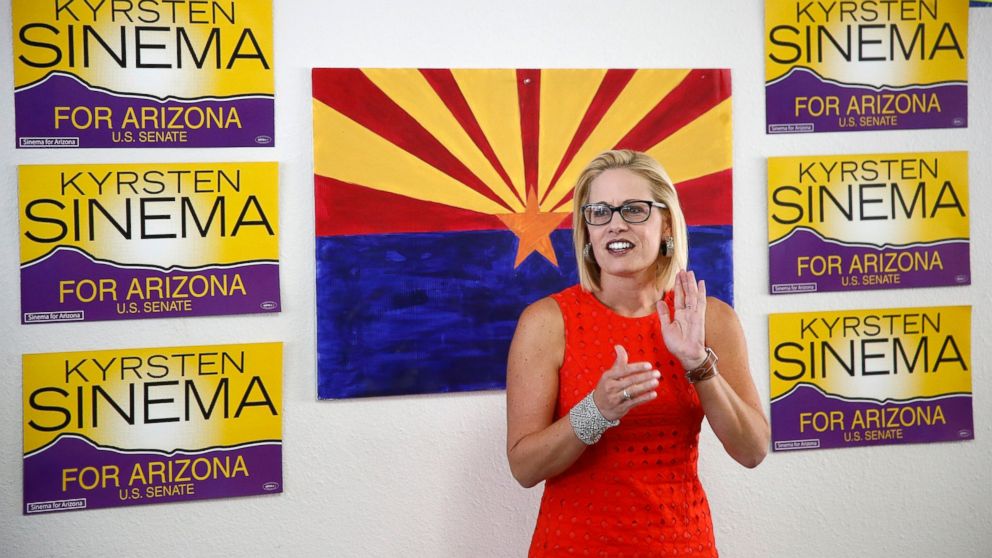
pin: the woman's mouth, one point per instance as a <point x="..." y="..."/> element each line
<point x="619" y="247"/>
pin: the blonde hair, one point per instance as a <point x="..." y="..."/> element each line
<point x="662" y="190"/>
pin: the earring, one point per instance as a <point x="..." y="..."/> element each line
<point x="668" y="247"/>
<point x="587" y="253"/>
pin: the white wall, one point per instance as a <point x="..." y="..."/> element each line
<point x="426" y="475"/>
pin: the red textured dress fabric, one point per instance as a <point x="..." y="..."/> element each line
<point x="635" y="493"/>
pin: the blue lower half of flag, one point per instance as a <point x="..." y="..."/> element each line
<point x="434" y="312"/>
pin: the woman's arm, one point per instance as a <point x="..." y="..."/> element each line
<point x="537" y="447"/>
<point x="730" y="400"/>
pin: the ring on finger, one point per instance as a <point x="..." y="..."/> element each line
<point x="627" y="396"/>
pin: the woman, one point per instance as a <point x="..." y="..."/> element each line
<point x="608" y="381"/>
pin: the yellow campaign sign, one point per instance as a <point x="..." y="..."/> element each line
<point x="136" y="426"/>
<point x="143" y="74"/>
<point x="850" y="66"/>
<point x="854" y="222"/>
<point x="126" y="241"/>
<point x="862" y="377"/>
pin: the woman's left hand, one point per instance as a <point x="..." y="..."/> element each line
<point x="685" y="332"/>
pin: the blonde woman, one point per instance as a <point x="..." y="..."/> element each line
<point x="608" y="381"/>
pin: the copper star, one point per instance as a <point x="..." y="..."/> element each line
<point x="533" y="229"/>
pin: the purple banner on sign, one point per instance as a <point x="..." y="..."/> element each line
<point x="802" y="102"/>
<point x="96" y="117"/>
<point x="69" y="285"/>
<point x="73" y="473"/>
<point x="806" y="262"/>
<point x="808" y="418"/>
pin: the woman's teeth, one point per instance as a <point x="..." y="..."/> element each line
<point x="619" y="246"/>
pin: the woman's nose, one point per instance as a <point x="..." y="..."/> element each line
<point x="616" y="223"/>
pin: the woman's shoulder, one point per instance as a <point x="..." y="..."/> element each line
<point x="545" y="311"/>
<point x="570" y="297"/>
<point x="540" y="332"/>
<point x="548" y="313"/>
<point x="721" y="317"/>
<point x="720" y="307"/>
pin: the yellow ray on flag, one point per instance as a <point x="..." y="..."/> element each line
<point x="700" y="148"/>
<point x="411" y="91"/>
<point x="347" y="151"/>
<point x="492" y="96"/>
<point x="565" y="97"/>
<point x="645" y="90"/>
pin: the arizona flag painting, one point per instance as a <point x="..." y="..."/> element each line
<point x="443" y="202"/>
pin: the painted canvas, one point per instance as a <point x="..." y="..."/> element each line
<point x="443" y="202"/>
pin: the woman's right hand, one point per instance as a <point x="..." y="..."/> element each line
<point x="625" y="386"/>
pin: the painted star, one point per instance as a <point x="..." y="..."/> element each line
<point x="533" y="229"/>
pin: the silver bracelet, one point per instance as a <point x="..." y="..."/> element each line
<point x="588" y="422"/>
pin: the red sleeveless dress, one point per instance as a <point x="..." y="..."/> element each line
<point x="636" y="491"/>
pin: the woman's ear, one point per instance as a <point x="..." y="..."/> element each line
<point x="666" y="227"/>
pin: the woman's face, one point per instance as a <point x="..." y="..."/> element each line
<point x="621" y="248"/>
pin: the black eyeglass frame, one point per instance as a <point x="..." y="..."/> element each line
<point x="650" y="203"/>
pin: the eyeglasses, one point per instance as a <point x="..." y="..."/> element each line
<point x="634" y="211"/>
